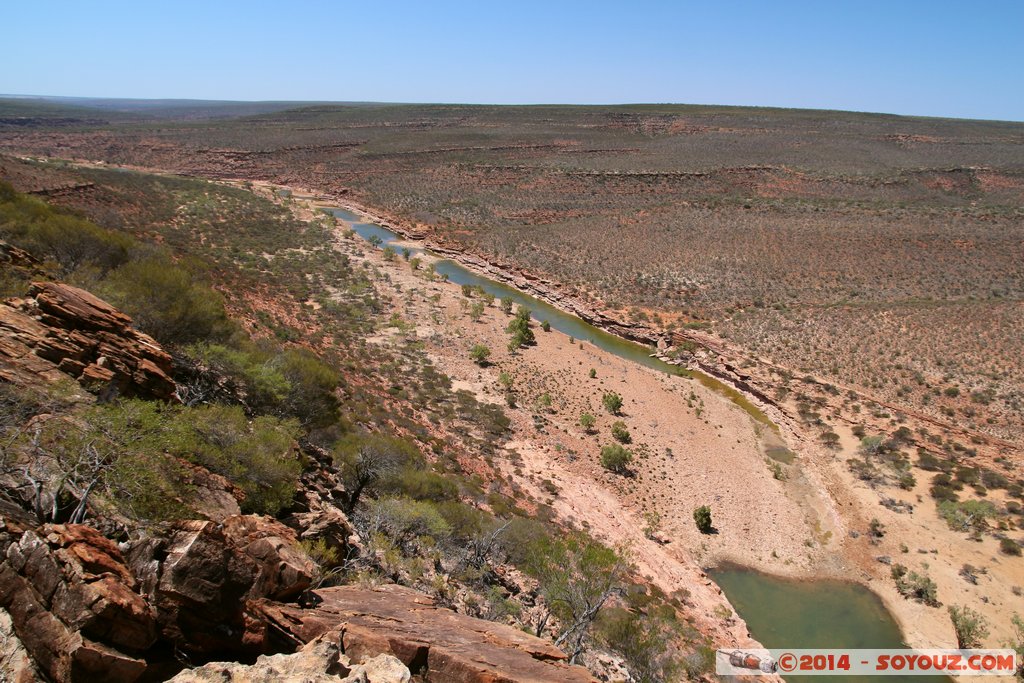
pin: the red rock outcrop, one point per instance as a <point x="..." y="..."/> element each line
<point x="320" y="661"/>
<point x="407" y="624"/>
<point x="72" y="604"/>
<point x="62" y="330"/>
<point x="202" y="578"/>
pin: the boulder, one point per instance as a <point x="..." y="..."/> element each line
<point x="316" y="513"/>
<point x="15" y="664"/>
<point x="212" y="496"/>
<point x="63" y="330"/>
<point x="437" y="642"/>
<point x="73" y="606"/>
<point x="202" y="577"/>
<point x="285" y="570"/>
<point x="198" y="585"/>
<point x="320" y="661"/>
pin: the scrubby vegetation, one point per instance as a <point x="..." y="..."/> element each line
<point x="615" y="458"/>
<point x="272" y="388"/>
<point x="971" y="628"/>
<point x="702" y="518"/>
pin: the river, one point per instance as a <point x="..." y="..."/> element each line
<point x="781" y="613"/>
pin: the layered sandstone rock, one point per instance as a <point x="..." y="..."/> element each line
<point x="73" y="606"/>
<point x="62" y="330"/>
<point x="320" y="661"/>
<point x="202" y="578"/>
<point x="407" y="624"/>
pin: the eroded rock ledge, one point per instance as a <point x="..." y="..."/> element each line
<point x="62" y="330"/>
<point x="407" y="624"/>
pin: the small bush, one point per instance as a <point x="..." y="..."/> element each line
<point x="258" y="456"/>
<point x="166" y="301"/>
<point x="615" y="458"/>
<point x="1009" y="547"/>
<point x="479" y="354"/>
<point x="612" y="402"/>
<point x="405" y="521"/>
<point x="971" y="628"/>
<point x="620" y="433"/>
<point x="702" y="518"/>
<point x="915" y="586"/>
<point x="966" y="515"/>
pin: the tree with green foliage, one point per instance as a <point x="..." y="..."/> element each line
<point x="368" y="461"/>
<point x="519" y="328"/>
<point x="480" y="353"/>
<point x="644" y="639"/>
<point x="620" y="433"/>
<point x="702" y="518"/>
<point x="167" y="302"/>
<point x="587" y="421"/>
<point x="971" y="628"/>
<point x="476" y="311"/>
<point x="615" y="458"/>
<point x="612" y="402"/>
<point x="107" y="458"/>
<point x="546" y="326"/>
<point x="966" y="515"/>
<point x="915" y="586"/>
<point x="73" y="244"/>
<point x="258" y="455"/>
<point x="576" y="576"/>
<point x="506" y="306"/>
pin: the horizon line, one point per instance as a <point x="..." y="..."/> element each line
<point x="499" y="104"/>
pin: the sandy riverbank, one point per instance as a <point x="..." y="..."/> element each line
<point x="694" y="447"/>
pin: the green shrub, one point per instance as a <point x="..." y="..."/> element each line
<point x="943" y="488"/>
<point x="465" y="521"/>
<point x="374" y="463"/>
<point x="116" y="451"/>
<point x="612" y="402"/>
<point x="615" y="458"/>
<point x="311" y="388"/>
<point x="702" y="518"/>
<point x="479" y="354"/>
<point x="258" y="456"/>
<point x="519" y="328"/>
<point x="167" y="302"/>
<point x="576" y="575"/>
<point x="587" y="421"/>
<point x="418" y="483"/>
<point x="72" y="243"/>
<point x="405" y="521"/>
<point x="1009" y="546"/>
<point x="971" y="628"/>
<point x="620" y="433"/>
<point x="915" y="586"/>
<point x="929" y="462"/>
<point x="966" y="515"/>
<point x="641" y="640"/>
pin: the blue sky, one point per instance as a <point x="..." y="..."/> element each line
<point x="935" y="58"/>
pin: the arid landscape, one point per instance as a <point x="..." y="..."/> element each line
<point x="836" y="299"/>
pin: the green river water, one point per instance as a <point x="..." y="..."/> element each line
<point x="780" y="613"/>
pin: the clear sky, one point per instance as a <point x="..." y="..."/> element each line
<point x="962" y="58"/>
